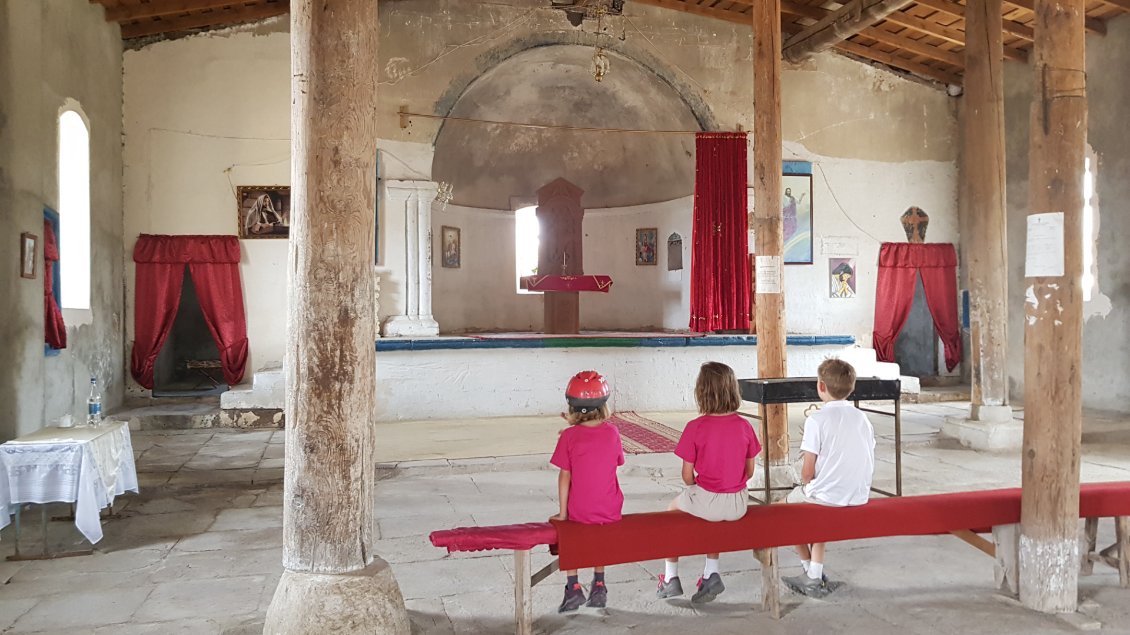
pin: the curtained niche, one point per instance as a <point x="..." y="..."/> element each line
<point x="189" y="360"/>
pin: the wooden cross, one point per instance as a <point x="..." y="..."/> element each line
<point x="915" y="221"/>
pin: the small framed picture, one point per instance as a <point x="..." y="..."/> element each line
<point x="842" y="274"/>
<point x="452" y="249"/>
<point x="29" y="255"/>
<point x="264" y="211"/>
<point x="646" y="239"/>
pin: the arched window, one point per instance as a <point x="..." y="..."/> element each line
<point x="526" y="243"/>
<point x="74" y="210"/>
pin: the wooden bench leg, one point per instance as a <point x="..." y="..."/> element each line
<point x="1090" y="537"/>
<point x="1007" y="548"/>
<point x="1122" y="538"/>
<point x="770" y="585"/>
<point x="523" y="594"/>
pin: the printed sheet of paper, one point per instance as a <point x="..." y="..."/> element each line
<point x="768" y="271"/>
<point x="1044" y="250"/>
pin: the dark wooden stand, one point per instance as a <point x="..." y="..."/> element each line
<point x="560" y="252"/>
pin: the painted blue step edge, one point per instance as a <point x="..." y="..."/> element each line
<point x="437" y="344"/>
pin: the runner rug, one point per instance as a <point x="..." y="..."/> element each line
<point x="644" y="436"/>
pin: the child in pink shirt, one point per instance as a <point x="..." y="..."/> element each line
<point x="588" y="453"/>
<point x="717" y="449"/>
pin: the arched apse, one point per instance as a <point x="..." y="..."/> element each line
<point x="487" y="164"/>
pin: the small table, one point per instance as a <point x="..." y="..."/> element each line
<point x="788" y="390"/>
<point x="87" y="466"/>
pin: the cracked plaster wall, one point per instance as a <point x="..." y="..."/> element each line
<point x="52" y="51"/>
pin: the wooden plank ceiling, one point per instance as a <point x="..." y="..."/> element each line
<point x="924" y="38"/>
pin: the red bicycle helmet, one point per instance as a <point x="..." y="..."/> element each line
<point x="587" y="390"/>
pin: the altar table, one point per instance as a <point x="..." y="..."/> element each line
<point x="87" y="466"/>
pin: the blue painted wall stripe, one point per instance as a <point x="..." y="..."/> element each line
<point x="467" y="343"/>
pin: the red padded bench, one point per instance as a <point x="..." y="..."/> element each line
<point x="652" y="536"/>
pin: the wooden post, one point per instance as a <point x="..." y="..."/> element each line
<point x="767" y="167"/>
<point x="523" y="594"/>
<point x="770" y="586"/>
<point x="1049" y="545"/>
<point x="1004" y="550"/>
<point x="983" y="179"/>
<point x="333" y="581"/>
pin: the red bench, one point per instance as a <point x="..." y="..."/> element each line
<point x="642" y="537"/>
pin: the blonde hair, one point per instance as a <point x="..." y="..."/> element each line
<point x="575" y="417"/>
<point x="838" y="377"/>
<point x="716" y="391"/>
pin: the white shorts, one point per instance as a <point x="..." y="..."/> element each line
<point x="798" y="496"/>
<point x="713" y="506"/>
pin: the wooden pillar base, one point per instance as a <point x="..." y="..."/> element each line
<point x="365" y="601"/>
<point x="563" y="313"/>
<point x="1044" y="560"/>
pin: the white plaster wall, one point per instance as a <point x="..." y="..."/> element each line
<point x="54" y="52"/>
<point x="515" y="382"/>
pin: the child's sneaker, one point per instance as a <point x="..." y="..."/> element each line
<point x="810" y="587"/>
<point x="598" y="596"/>
<point x="574" y="598"/>
<point x="669" y="588"/>
<point x="708" y="589"/>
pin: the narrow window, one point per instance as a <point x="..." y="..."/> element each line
<point x="74" y="210"/>
<point x="526" y="243"/>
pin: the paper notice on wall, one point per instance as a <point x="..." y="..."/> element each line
<point x="768" y="271"/>
<point x="1044" y="249"/>
<point x="839" y="246"/>
<point x="751" y="241"/>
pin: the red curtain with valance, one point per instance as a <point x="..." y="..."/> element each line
<point x="899" y="266"/>
<point x="55" y="331"/>
<point x="720" y="291"/>
<point x="213" y="264"/>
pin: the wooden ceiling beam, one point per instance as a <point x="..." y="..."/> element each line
<point x="1120" y="4"/>
<point x="914" y="46"/>
<point x="217" y="17"/>
<point x="1094" y="25"/>
<point x="897" y="62"/>
<point x="839" y="25"/>
<point x="1022" y="31"/>
<point x="949" y="34"/>
<point x="164" y="8"/>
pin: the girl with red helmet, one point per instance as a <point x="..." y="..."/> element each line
<point x="717" y="450"/>
<point x="588" y="453"/>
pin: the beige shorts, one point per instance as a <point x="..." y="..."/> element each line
<point x="713" y="506"/>
<point x="798" y="496"/>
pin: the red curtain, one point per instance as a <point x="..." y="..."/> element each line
<point x="55" y="330"/>
<point x="720" y="292"/>
<point x="900" y="264"/>
<point x="213" y="263"/>
<point x="221" y="299"/>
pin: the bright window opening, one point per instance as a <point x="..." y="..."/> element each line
<point x="1089" y="237"/>
<point x="74" y="210"/>
<point x="526" y="243"/>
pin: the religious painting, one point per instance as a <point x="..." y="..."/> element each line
<point x="452" y="249"/>
<point x="796" y="218"/>
<point x="646" y="242"/>
<point x="264" y="211"/>
<point x="842" y="272"/>
<point x="29" y="254"/>
<point x="914" y="221"/>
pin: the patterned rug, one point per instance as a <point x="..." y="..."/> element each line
<point x="644" y="436"/>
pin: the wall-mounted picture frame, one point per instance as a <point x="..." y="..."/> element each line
<point x="264" y="211"/>
<point x="29" y="255"/>
<point x="647" y="239"/>
<point x="796" y="213"/>
<point x="841" y="272"/>
<point x="452" y="249"/>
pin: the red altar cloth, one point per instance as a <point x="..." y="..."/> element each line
<point x="567" y="283"/>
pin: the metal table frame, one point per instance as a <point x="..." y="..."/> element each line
<point x="786" y="390"/>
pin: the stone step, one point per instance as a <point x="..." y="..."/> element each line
<point x="193" y="414"/>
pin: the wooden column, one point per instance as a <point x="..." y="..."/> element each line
<point x="560" y="252"/>
<point x="329" y="526"/>
<point x="1049" y="546"/>
<point x="983" y="179"/>
<point x="769" y="237"/>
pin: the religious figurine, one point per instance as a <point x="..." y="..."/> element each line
<point x="915" y="221"/>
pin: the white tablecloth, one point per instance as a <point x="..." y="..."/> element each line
<point x="87" y="466"/>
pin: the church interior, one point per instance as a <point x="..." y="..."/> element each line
<point x="296" y="289"/>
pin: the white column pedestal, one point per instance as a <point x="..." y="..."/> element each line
<point x="414" y="200"/>
<point x="988" y="428"/>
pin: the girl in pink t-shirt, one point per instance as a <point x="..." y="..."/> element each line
<point x="717" y="450"/>
<point x="588" y="453"/>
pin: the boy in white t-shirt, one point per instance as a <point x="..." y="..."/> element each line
<point x="838" y="450"/>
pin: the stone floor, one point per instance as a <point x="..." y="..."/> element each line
<point x="198" y="551"/>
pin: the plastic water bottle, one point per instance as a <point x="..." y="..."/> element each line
<point x="94" y="404"/>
